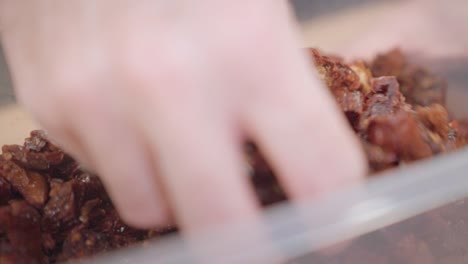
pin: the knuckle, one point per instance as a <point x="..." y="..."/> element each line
<point x="149" y="78"/>
<point x="165" y="81"/>
<point x="70" y="90"/>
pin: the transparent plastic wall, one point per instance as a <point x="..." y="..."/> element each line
<point x="415" y="214"/>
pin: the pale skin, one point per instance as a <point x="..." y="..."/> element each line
<point x="158" y="97"/>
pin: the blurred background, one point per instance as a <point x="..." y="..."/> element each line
<point x="6" y="94"/>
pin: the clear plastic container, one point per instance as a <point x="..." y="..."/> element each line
<point x="416" y="214"/>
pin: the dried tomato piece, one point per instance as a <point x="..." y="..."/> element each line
<point x="161" y="231"/>
<point x="399" y="133"/>
<point x="378" y="158"/>
<point x="66" y="170"/>
<point x="391" y="63"/>
<point x="48" y="242"/>
<point x="81" y="242"/>
<point x="61" y="211"/>
<point x="346" y="86"/>
<point x="364" y="74"/>
<point x="64" y="209"/>
<point x="32" y="160"/>
<point x="92" y="212"/>
<point x="385" y="99"/>
<point x="265" y="183"/>
<point x="91" y="185"/>
<point x="338" y="76"/>
<point x="21" y="223"/>
<point x="37" y="141"/>
<point x="458" y="134"/>
<point x="7" y="258"/>
<point x="419" y="85"/>
<point x="6" y="192"/>
<point x="32" y="185"/>
<point x="422" y="87"/>
<point x="435" y="118"/>
<point x="111" y="224"/>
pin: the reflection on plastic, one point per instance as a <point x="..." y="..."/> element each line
<point x="371" y="209"/>
<point x="295" y="231"/>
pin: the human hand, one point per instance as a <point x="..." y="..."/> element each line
<point x="430" y="28"/>
<point x="159" y="96"/>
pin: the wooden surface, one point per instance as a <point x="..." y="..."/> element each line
<point x="15" y="124"/>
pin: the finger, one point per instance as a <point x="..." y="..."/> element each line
<point x="120" y="157"/>
<point x="415" y="31"/>
<point x="302" y="133"/>
<point x="202" y="168"/>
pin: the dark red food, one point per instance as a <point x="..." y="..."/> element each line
<point x="52" y="210"/>
<point x="400" y="118"/>
<point x="418" y="84"/>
